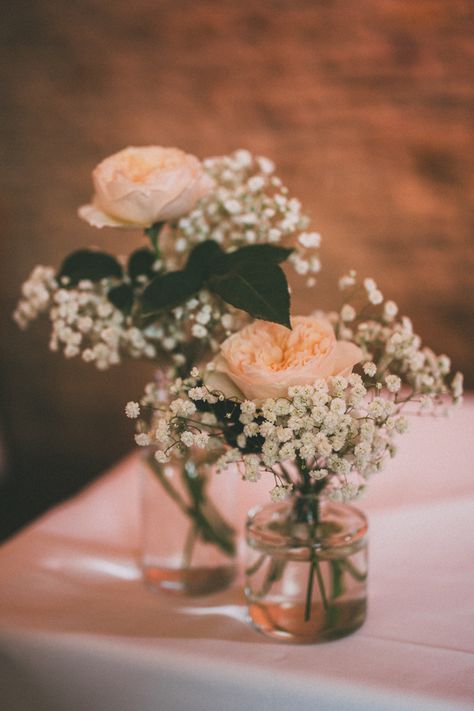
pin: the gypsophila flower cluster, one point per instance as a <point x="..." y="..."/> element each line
<point x="250" y="205"/>
<point x="395" y="355"/>
<point x="330" y="435"/>
<point x="85" y="323"/>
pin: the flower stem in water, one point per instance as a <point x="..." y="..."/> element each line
<point x="189" y="546"/>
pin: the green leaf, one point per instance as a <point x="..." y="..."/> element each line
<point x="255" y="252"/>
<point x="122" y="297"/>
<point x="203" y="257"/>
<point x="258" y="252"/>
<point x="88" y="264"/>
<point x="169" y="290"/>
<point x="259" y="288"/>
<point x="141" y="263"/>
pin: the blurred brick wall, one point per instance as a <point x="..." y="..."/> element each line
<point x="365" y="106"/>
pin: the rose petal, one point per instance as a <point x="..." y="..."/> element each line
<point x="347" y="355"/>
<point x="97" y="218"/>
<point x="217" y="380"/>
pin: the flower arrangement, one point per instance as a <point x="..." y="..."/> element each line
<point x="315" y="402"/>
<point x="318" y="407"/>
<point x="218" y="232"/>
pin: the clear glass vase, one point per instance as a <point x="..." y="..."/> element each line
<point x="188" y="537"/>
<point x="306" y="574"/>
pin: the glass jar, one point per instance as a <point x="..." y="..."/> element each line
<point x="306" y="574"/>
<point x="188" y="539"/>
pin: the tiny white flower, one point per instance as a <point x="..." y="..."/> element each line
<point x="323" y="445"/>
<point x="310" y="239"/>
<point x="274" y="235"/>
<point x="243" y="157"/>
<point x="268" y="410"/>
<point x="318" y="474"/>
<point x="347" y="281"/>
<point x="393" y="383"/>
<point x="375" y="297"/>
<point x="348" y="312"/>
<point x="287" y="451"/>
<point x="255" y="183"/>
<point x="201" y="440"/>
<point x="248" y="407"/>
<point x="284" y="434"/>
<point x="233" y="206"/>
<point x="401" y="425"/>
<point x="251" y="429"/>
<point x="168" y="343"/>
<point x="203" y="317"/>
<point x="457" y="385"/>
<point x="248" y="218"/>
<point x="227" y="321"/>
<point x="369" y="369"/>
<point x="252" y="470"/>
<point x="266" y="165"/>
<point x="280" y="492"/>
<point x="187" y="438"/>
<point x="199" y="331"/>
<point x="370" y="285"/>
<point x="241" y="441"/>
<point x="266" y="429"/>
<point x="282" y="407"/>
<point x="376" y="408"/>
<point x="444" y="363"/>
<point x="390" y="310"/>
<point x="160" y="456"/>
<point x="132" y="409"/>
<point x="142" y="439"/>
<point x="181" y="244"/>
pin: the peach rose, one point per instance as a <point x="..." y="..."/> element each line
<point x="137" y="187"/>
<point x="265" y="359"/>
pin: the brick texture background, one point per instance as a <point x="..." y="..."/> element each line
<point x="366" y="107"/>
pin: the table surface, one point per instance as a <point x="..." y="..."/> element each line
<point x="78" y="629"/>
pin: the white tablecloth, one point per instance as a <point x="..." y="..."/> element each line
<point x="79" y="631"/>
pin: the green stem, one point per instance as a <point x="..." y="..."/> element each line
<point x="153" y="233"/>
<point x="352" y="570"/>
<point x="313" y="516"/>
<point x="337" y="578"/>
<point x="252" y="569"/>
<point x="275" y="572"/>
<point x="166" y="485"/>
<point x="309" y="593"/>
<point x="189" y="546"/>
<point x="209" y="525"/>
<point x="320" y="582"/>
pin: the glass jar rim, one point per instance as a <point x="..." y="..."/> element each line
<point x="341" y="525"/>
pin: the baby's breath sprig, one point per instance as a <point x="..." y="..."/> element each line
<point x="331" y="434"/>
<point x="395" y="356"/>
<point x="103" y="320"/>
<point x="250" y="206"/>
